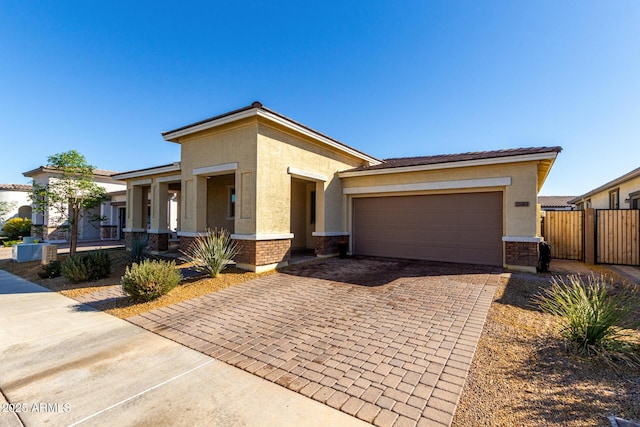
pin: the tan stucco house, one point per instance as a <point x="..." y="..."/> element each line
<point x="620" y="193"/>
<point x="278" y="185"/>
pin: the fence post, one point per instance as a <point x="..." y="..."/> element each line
<point x="589" y="236"/>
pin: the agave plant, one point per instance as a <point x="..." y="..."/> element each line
<point x="212" y="252"/>
<point x="139" y="251"/>
<point x="590" y="316"/>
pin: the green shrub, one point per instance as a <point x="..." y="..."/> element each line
<point x="51" y="270"/>
<point x="99" y="264"/>
<point x="16" y="228"/>
<point x="82" y="268"/>
<point x="138" y="251"/>
<point x="150" y="279"/>
<point x="9" y="243"/>
<point x="212" y="253"/>
<point x="591" y="317"/>
<point x="75" y="269"/>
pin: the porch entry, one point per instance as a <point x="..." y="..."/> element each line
<point x="302" y="214"/>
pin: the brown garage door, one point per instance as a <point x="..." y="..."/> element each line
<point x="465" y="228"/>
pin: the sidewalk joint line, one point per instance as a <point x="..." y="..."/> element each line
<point x="142" y="392"/>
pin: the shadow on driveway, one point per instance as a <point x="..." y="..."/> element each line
<point x="372" y="271"/>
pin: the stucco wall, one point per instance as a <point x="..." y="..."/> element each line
<point x="16" y="199"/>
<point x="518" y="221"/>
<point x="205" y="149"/>
<point x="277" y="151"/>
<point x="601" y="200"/>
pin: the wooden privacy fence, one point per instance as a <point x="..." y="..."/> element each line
<point x="618" y="237"/>
<point x="564" y="231"/>
<point x="595" y="236"/>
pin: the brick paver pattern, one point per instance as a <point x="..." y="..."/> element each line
<point x="387" y="341"/>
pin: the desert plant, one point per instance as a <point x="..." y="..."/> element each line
<point x="212" y="252"/>
<point x="138" y="251"/>
<point x="51" y="270"/>
<point x="591" y="317"/>
<point x="16" y="228"/>
<point x="150" y="279"/>
<point x="98" y="263"/>
<point x="82" y="268"/>
<point x="75" y="269"/>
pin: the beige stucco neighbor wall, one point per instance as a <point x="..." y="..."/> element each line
<point x="518" y="221"/>
<point x="277" y="151"/>
<point x="225" y="145"/>
<point x="601" y="200"/>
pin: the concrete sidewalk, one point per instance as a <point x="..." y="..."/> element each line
<point x="65" y="364"/>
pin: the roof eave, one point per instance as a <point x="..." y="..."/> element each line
<point x="630" y="175"/>
<point x="140" y="173"/>
<point x="453" y="164"/>
<point x="271" y="116"/>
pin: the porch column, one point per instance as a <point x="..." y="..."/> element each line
<point x="159" y="232"/>
<point x="193" y="207"/>
<point x="137" y="199"/>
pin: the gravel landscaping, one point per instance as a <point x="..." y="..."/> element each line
<point x="523" y="375"/>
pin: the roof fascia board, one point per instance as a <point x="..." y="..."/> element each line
<point x="146" y="172"/>
<point x="171" y="137"/>
<point x="274" y="118"/>
<point x="451" y="165"/>
<point x="626" y="177"/>
<point x="301" y="129"/>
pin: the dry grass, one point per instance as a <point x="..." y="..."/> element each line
<point x="126" y="307"/>
<point x="523" y="375"/>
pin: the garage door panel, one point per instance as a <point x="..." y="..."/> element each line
<point x="453" y="227"/>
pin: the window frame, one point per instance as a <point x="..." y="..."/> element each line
<point x="614" y="199"/>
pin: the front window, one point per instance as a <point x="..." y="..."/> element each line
<point x="634" y="199"/>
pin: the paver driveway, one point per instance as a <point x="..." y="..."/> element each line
<point x="387" y="341"/>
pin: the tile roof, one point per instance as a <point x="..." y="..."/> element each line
<point x="15" y="187"/>
<point x="555" y="201"/>
<point x="451" y="158"/>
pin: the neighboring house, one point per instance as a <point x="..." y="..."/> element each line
<point x="278" y="185"/>
<point x="556" y="203"/>
<point x="50" y="227"/>
<point x="621" y="193"/>
<point x="16" y="197"/>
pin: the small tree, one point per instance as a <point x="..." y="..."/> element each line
<point x="70" y="196"/>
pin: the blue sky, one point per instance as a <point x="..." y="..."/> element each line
<point x="391" y="78"/>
